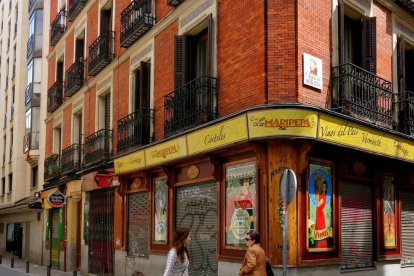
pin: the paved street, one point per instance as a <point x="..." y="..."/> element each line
<point x="4" y="271"/>
<point x="34" y="270"/>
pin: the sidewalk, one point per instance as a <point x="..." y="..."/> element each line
<point x="34" y="269"/>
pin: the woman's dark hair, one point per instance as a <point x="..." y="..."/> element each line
<point x="180" y="236"/>
<point x="254" y="235"/>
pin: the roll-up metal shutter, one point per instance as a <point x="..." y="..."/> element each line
<point x="356" y="226"/>
<point x="54" y="241"/>
<point x="196" y="209"/>
<point x="138" y="214"/>
<point x="407" y="228"/>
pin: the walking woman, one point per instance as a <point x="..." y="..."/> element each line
<point x="254" y="263"/>
<point x="178" y="257"/>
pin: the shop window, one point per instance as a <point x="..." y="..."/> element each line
<point x="356" y="226"/>
<point x="407" y="228"/>
<point x="138" y="218"/>
<point x="241" y="202"/>
<point x="160" y="232"/>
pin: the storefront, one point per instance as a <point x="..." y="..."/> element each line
<point x="223" y="180"/>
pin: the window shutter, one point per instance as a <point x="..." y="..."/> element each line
<point x="180" y="60"/>
<point x="210" y="45"/>
<point x="407" y="228"/>
<point x="138" y="219"/>
<point x="356" y="226"/>
<point x="401" y="64"/>
<point x="369" y="44"/>
<point x="144" y="85"/>
<point x="341" y="32"/>
<point x="108" y="111"/>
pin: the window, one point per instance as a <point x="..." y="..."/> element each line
<point x="3" y="185"/>
<point x="11" y="145"/>
<point x="77" y="128"/>
<point x="34" y="177"/>
<point x="59" y="70"/>
<point x="10" y="182"/>
<point x="57" y="141"/>
<point x="106" y="18"/>
<point x="105" y="111"/>
<point x="141" y="95"/>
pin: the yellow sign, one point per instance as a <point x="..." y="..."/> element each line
<point x="350" y="134"/>
<point x="167" y="151"/>
<point x="280" y="122"/>
<point x="131" y="162"/>
<point x="228" y="132"/>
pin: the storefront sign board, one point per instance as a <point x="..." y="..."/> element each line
<point x="130" y="162"/>
<point x="56" y="199"/>
<point x="167" y="151"/>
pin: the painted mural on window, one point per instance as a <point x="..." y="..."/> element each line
<point x="389" y="213"/>
<point x="160" y="207"/>
<point x="320" y="209"/>
<point x="240" y="202"/>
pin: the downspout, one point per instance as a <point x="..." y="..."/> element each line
<point x="266" y="54"/>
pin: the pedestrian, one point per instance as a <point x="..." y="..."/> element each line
<point x="178" y="258"/>
<point x="254" y="263"/>
<point x="137" y="273"/>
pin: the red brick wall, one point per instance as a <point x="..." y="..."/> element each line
<point x="120" y="96"/>
<point x="164" y="73"/>
<point x="69" y="50"/>
<point x="241" y="55"/>
<point x="51" y="71"/>
<point x="384" y="41"/>
<point x="89" y="107"/>
<point x="92" y="25"/>
<point x="162" y="9"/>
<point x="120" y="5"/>
<point x="282" y="49"/>
<point x="49" y="138"/>
<point x="314" y="21"/>
<point x="67" y="127"/>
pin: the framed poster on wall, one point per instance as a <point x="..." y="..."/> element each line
<point x="320" y="208"/>
<point x="160" y="210"/>
<point x="389" y="229"/>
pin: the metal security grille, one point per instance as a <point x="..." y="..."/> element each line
<point x="101" y="225"/>
<point x="407" y="228"/>
<point x="197" y="210"/>
<point x="356" y="226"/>
<point x="138" y="215"/>
<point x="54" y="239"/>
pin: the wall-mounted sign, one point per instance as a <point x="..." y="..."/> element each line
<point x="312" y="71"/>
<point x="56" y="199"/>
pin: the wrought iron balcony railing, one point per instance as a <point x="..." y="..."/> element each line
<point x="101" y="53"/>
<point x="58" y="28"/>
<point x="174" y="3"/>
<point x="74" y="78"/>
<point x="406" y="112"/>
<point x="134" y="130"/>
<point x="136" y="20"/>
<point x="71" y="158"/>
<point x="75" y="7"/>
<point x="98" y="148"/>
<point x="408" y="4"/>
<point x="363" y="95"/>
<point x="30" y="45"/>
<point x="55" y="96"/>
<point x="31" y="141"/>
<point x="52" y="167"/>
<point x="190" y="105"/>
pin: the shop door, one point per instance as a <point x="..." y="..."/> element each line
<point x="197" y="210"/>
<point x="101" y="229"/>
<point x="407" y="228"/>
<point x="18" y="238"/>
<point x="54" y="238"/>
<point x="356" y="226"/>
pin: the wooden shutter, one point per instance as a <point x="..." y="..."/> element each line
<point x="144" y="85"/>
<point x="181" y="60"/>
<point x="369" y="44"/>
<point x="196" y="209"/>
<point x="107" y="100"/>
<point x="356" y="226"/>
<point x="210" y="45"/>
<point x="401" y="64"/>
<point x="138" y="224"/>
<point x="407" y="228"/>
<point x="341" y="32"/>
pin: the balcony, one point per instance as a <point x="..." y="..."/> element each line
<point x="136" y="20"/>
<point x="55" y="96"/>
<point x="30" y="45"/>
<point x="408" y="4"/>
<point x="74" y="78"/>
<point x="190" y="105"/>
<point x="174" y="3"/>
<point x="58" y="28"/>
<point x="75" y="7"/>
<point x="363" y="95"/>
<point x="52" y="167"/>
<point x="134" y="130"/>
<point x="406" y="112"/>
<point x="30" y="97"/>
<point x="101" y="53"/>
<point x="98" y="148"/>
<point x="31" y="141"/>
<point x="71" y="159"/>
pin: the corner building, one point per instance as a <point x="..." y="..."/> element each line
<point x="171" y="113"/>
